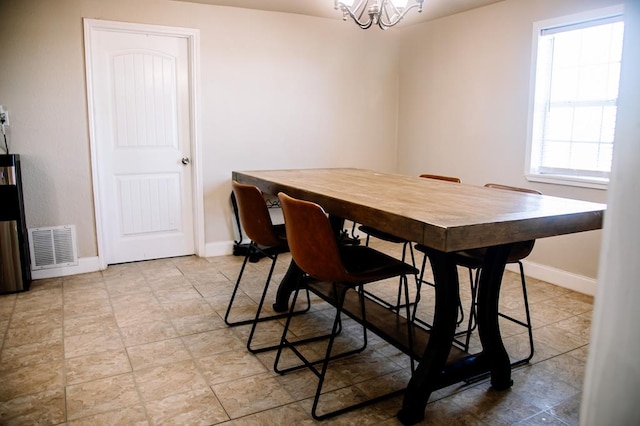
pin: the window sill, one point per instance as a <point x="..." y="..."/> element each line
<point x="594" y="183"/>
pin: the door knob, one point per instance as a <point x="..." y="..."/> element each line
<point x="185" y="160"/>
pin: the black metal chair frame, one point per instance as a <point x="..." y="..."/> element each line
<point x="337" y="299"/>
<point x="271" y="253"/>
<point x="253" y="253"/>
<point x="474" y="279"/>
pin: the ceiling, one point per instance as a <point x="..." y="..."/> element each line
<point x="432" y="9"/>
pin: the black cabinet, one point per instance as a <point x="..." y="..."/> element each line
<point x="15" y="265"/>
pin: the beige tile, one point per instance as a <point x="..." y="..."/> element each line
<point x="88" y="279"/>
<point x="99" y="323"/>
<point x="45" y="407"/>
<point x="131" y="416"/>
<point x="91" y="343"/>
<point x="150" y="304"/>
<point x="84" y="295"/>
<point x="365" y="366"/>
<point x="87" y="308"/>
<point x="97" y="366"/>
<point x="169" y="296"/>
<point x="495" y="407"/>
<point x="342" y="398"/>
<point x="544" y="418"/>
<point x="303" y="383"/>
<point x="157" y="353"/>
<point x="126" y="284"/>
<point x="187" y="307"/>
<point x="219" y="286"/>
<point x="569" y="303"/>
<point x="136" y="301"/>
<point x="560" y="338"/>
<point x="25" y="329"/>
<point x="122" y="269"/>
<point x="7" y="303"/>
<point x="31" y="379"/>
<point x="33" y="353"/>
<point x="139" y="314"/>
<point x="197" y="407"/>
<point x="541" y="387"/>
<point x="251" y="395"/>
<point x="291" y="414"/>
<point x="178" y="282"/>
<point x="101" y="396"/>
<point x="229" y="366"/>
<point x="148" y="332"/>
<point x="194" y="324"/>
<point x="160" y="382"/>
<point x="568" y="410"/>
<point x="213" y="342"/>
<point x="443" y="412"/>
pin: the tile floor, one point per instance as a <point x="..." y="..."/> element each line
<point x="145" y="343"/>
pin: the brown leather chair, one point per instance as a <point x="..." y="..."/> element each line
<point x="472" y="259"/>
<point x="385" y="236"/>
<point x="268" y="240"/>
<point x="337" y="273"/>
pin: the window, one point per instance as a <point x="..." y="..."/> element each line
<point x="574" y="98"/>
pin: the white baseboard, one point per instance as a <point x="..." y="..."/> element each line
<point x="558" y="277"/>
<point x="218" y="249"/>
<point x="92" y="264"/>
<point x="85" y="265"/>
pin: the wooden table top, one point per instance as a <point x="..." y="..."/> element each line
<point x="443" y="215"/>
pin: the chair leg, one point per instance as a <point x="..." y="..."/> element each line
<point x="413" y="263"/>
<point x="408" y="313"/>
<point x="286" y="343"/>
<point x="322" y="374"/>
<point x="419" y="282"/>
<point x="250" y="251"/>
<point x="257" y="318"/>
<point x="473" y="314"/>
<point x="527" y="323"/>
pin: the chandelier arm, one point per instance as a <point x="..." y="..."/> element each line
<point x="357" y="19"/>
<point x="390" y="23"/>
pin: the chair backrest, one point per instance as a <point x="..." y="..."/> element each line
<point x="440" y="177"/>
<point x="522" y="249"/>
<point x="254" y="215"/>
<point x="312" y="241"/>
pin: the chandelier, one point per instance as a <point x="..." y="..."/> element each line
<point x="383" y="13"/>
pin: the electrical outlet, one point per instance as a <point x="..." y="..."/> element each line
<point x="4" y="116"/>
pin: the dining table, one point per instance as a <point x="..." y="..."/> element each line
<point x="445" y="218"/>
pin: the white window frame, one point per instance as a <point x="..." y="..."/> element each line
<point x="538" y="27"/>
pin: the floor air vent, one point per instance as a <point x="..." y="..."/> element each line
<point x="53" y="247"/>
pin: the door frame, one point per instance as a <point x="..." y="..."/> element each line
<point x="193" y="45"/>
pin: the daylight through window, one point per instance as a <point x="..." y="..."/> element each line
<point x="575" y="99"/>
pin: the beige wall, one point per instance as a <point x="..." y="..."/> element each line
<point x="277" y="90"/>
<point x="464" y="90"/>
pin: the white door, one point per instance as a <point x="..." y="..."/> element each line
<point x="139" y="84"/>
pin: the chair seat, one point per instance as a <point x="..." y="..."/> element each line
<point x="381" y="235"/>
<point x="366" y="265"/>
